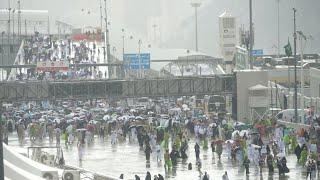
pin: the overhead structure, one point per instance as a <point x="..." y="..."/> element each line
<point x="77" y="89"/>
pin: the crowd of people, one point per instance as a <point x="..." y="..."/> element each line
<point x="169" y="137"/>
<point x="39" y="48"/>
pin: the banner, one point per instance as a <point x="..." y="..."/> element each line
<point x="50" y="66"/>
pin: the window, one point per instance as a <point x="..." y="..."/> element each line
<point x="228" y="23"/>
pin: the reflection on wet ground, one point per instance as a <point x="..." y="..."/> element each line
<point x="126" y="158"/>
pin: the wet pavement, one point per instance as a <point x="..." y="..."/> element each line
<point x="126" y="158"/>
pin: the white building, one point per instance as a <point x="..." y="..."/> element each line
<point x="31" y="21"/>
<point x="227" y="36"/>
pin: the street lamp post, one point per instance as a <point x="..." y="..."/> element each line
<point x="154" y="33"/>
<point x="196" y="5"/>
<point x="139" y="54"/>
<point x="301" y="38"/>
<point x="19" y="20"/>
<point x="1" y="145"/>
<point x="107" y="38"/>
<point x="2" y="53"/>
<point x="278" y="8"/>
<point x="295" y="66"/>
<point x="122" y="30"/>
<point x="251" y="35"/>
<point x="13" y="11"/>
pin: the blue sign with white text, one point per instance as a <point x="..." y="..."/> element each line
<point x="137" y="61"/>
<point x="257" y="52"/>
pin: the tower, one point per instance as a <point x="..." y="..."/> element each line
<point x="228" y="39"/>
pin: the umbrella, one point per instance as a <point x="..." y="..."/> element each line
<point x="160" y="127"/>
<point x="229" y="141"/>
<point x="234" y="133"/>
<point x="255" y="146"/>
<point x="41" y="120"/>
<point x="139" y="118"/>
<point x="213" y="125"/>
<point x="93" y="122"/>
<point x="106" y="117"/>
<point x="184" y="106"/>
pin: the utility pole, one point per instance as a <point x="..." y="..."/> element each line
<point x="139" y="51"/>
<point x="278" y="28"/>
<point x="250" y="35"/>
<point x="1" y="145"/>
<point x="155" y="33"/>
<point x="101" y="16"/>
<point x="19" y="20"/>
<point x="107" y="38"/>
<point x="122" y="30"/>
<point x="196" y="5"/>
<point x="295" y="67"/>
<point x="301" y="38"/>
<point x="9" y="31"/>
<point x="13" y="11"/>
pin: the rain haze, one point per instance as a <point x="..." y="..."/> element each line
<point x="174" y="20"/>
<point x="159" y="89"/>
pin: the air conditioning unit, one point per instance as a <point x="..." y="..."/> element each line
<point x="71" y="175"/>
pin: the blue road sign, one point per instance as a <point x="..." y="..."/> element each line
<point x="137" y="61"/>
<point x="257" y="52"/>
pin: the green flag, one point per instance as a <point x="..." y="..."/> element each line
<point x="288" y="49"/>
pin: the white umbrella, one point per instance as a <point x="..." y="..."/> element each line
<point x="229" y="141"/>
<point x="234" y="133"/>
<point x="139" y="118"/>
<point x="184" y="106"/>
<point x="42" y="120"/>
<point x="106" y="117"/>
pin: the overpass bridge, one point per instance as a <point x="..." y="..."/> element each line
<point x="91" y="89"/>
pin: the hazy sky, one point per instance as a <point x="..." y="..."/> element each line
<point x="175" y="20"/>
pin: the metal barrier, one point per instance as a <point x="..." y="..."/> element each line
<point x="89" y="175"/>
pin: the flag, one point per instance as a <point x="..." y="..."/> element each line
<point x="288" y="49"/>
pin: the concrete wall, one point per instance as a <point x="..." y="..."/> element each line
<point x="246" y="79"/>
<point x="315" y="82"/>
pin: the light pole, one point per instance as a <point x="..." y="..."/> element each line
<point x="139" y="54"/>
<point x="196" y="5"/>
<point x="2" y="54"/>
<point x="13" y="11"/>
<point x="250" y="35"/>
<point x="122" y="30"/>
<point x="278" y="8"/>
<point x="107" y="37"/>
<point x="154" y="33"/>
<point x="19" y="20"/>
<point x="101" y="17"/>
<point x="295" y="66"/>
<point x="1" y="145"/>
<point x="302" y="37"/>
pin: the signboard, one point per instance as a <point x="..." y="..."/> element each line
<point x="52" y="66"/>
<point x="257" y="52"/>
<point x="136" y="61"/>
